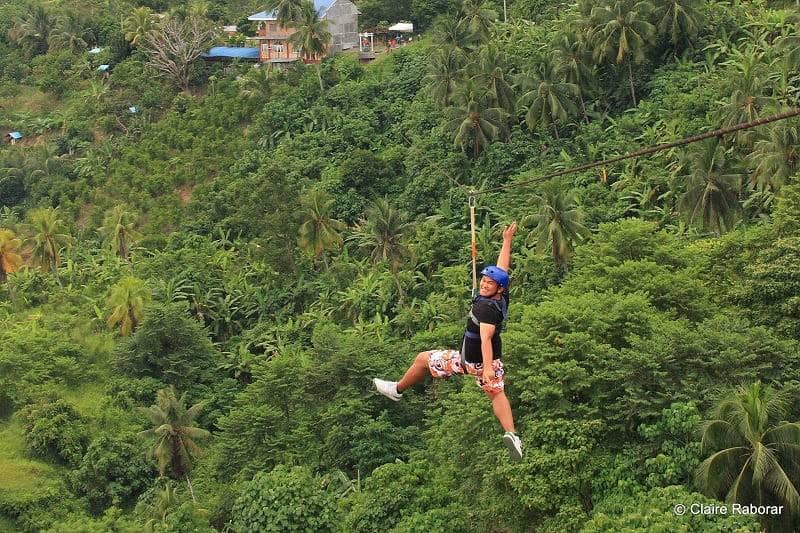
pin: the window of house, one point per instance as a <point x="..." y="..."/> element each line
<point x="277" y="47"/>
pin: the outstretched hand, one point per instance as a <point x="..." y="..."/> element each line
<point x="510" y="230"/>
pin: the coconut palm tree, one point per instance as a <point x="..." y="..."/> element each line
<point x="748" y="98"/>
<point x="776" y="157"/>
<point x="10" y="260"/>
<point x="677" y="20"/>
<point x="318" y="232"/>
<point x="451" y="32"/>
<point x="139" y="24"/>
<point x="491" y="70"/>
<point x="70" y="33"/>
<point x="47" y="239"/>
<point x="173" y="427"/>
<point x="127" y="301"/>
<point x="621" y="31"/>
<point x="472" y="120"/>
<point x="574" y="60"/>
<point x="544" y="97"/>
<point x="478" y="18"/>
<point x="445" y="71"/>
<point x="256" y="85"/>
<point x="164" y="501"/>
<point x="286" y="11"/>
<point x="712" y="187"/>
<point x="312" y="37"/>
<point x="119" y="231"/>
<point x="383" y="233"/>
<point x="558" y="224"/>
<point x="755" y="453"/>
<point x="33" y="30"/>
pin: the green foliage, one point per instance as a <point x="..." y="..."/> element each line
<point x="654" y="511"/>
<point x="33" y="354"/>
<point x="55" y="431"/>
<point x="113" y="472"/>
<point x="285" y="499"/>
<point x="678" y="451"/>
<point x="390" y="493"/>
<point x="37" y="508"/>
<point x="168" y="346"/>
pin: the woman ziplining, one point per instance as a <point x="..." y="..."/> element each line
<point x="481" y="347"/>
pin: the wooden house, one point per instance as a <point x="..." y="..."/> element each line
<point x="272" y="39"/>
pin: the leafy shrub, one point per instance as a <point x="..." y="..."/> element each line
<point x="168" y="346"/>
<point x="55" y="430"/>
<point x="112" y="472"/>
<point x="286" y="499"/>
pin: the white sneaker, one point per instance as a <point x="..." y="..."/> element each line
<point x="388" y="389"/>
<point x="514" y="445"/>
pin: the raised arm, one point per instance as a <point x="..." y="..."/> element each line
<point x="504" y="261"/>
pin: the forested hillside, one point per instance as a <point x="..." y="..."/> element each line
<point x="204" y="264"/>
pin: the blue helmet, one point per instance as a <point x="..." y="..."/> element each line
<point x="497" y="274"/>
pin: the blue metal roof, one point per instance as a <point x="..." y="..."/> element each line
<point x="103" y="68"/>
<point x="15" y="135"/>
<point x="95" y="50"/>
<point x="232" y="52"/>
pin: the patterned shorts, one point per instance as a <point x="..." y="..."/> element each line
<point x="445" y="363"/>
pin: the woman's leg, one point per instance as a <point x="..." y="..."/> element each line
<point x="502" y="410"/>
<point x="415" y="373"/>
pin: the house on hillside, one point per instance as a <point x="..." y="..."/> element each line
<point x="272" y="39"/>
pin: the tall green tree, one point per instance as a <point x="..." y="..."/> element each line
<point x="175" y="433"/>
<point x="558" y="224"/>
<point x="319" y="231"/>
<point x="574" y="59"/>
<point x="712" y="186"/>
<point x="286" y="11"/>
<point x="383" y="234"/>
<point x="621" y="30"/>
<point x="545" y="97"/>
<point x="312" y="37"/>
<point x="138" y="25"/>
<point x="127" y="301"/>
<point x="452" y="32"/>
<point x="445" y="72"/>
<point x="119" y="230"/>
<point x="748" y="97"/>
<point x="491" y="69"/>
<point x="777" y="157"/>
<point x="478" y="18"/>
<point x="32" y="32"/>
<point x="47" y="238"/>
<point x="755" y="452"/>
<point x="473" y="121"/>
<point x="678" y="20"/>
<point x="71" y="33"/>
<point x="10" y="260"/>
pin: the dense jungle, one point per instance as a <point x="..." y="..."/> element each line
<point x="203" y="264"/>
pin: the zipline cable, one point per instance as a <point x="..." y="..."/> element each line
<point x="474" y="244"/>
<point x="645" y="151"/>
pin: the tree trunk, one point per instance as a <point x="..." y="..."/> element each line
<point x="319" y="75"/>
<point x="583" y="107"/>
<point x="630" y="79"/>
<point x="555" y="129"/>
<point x="191" y="489"/>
